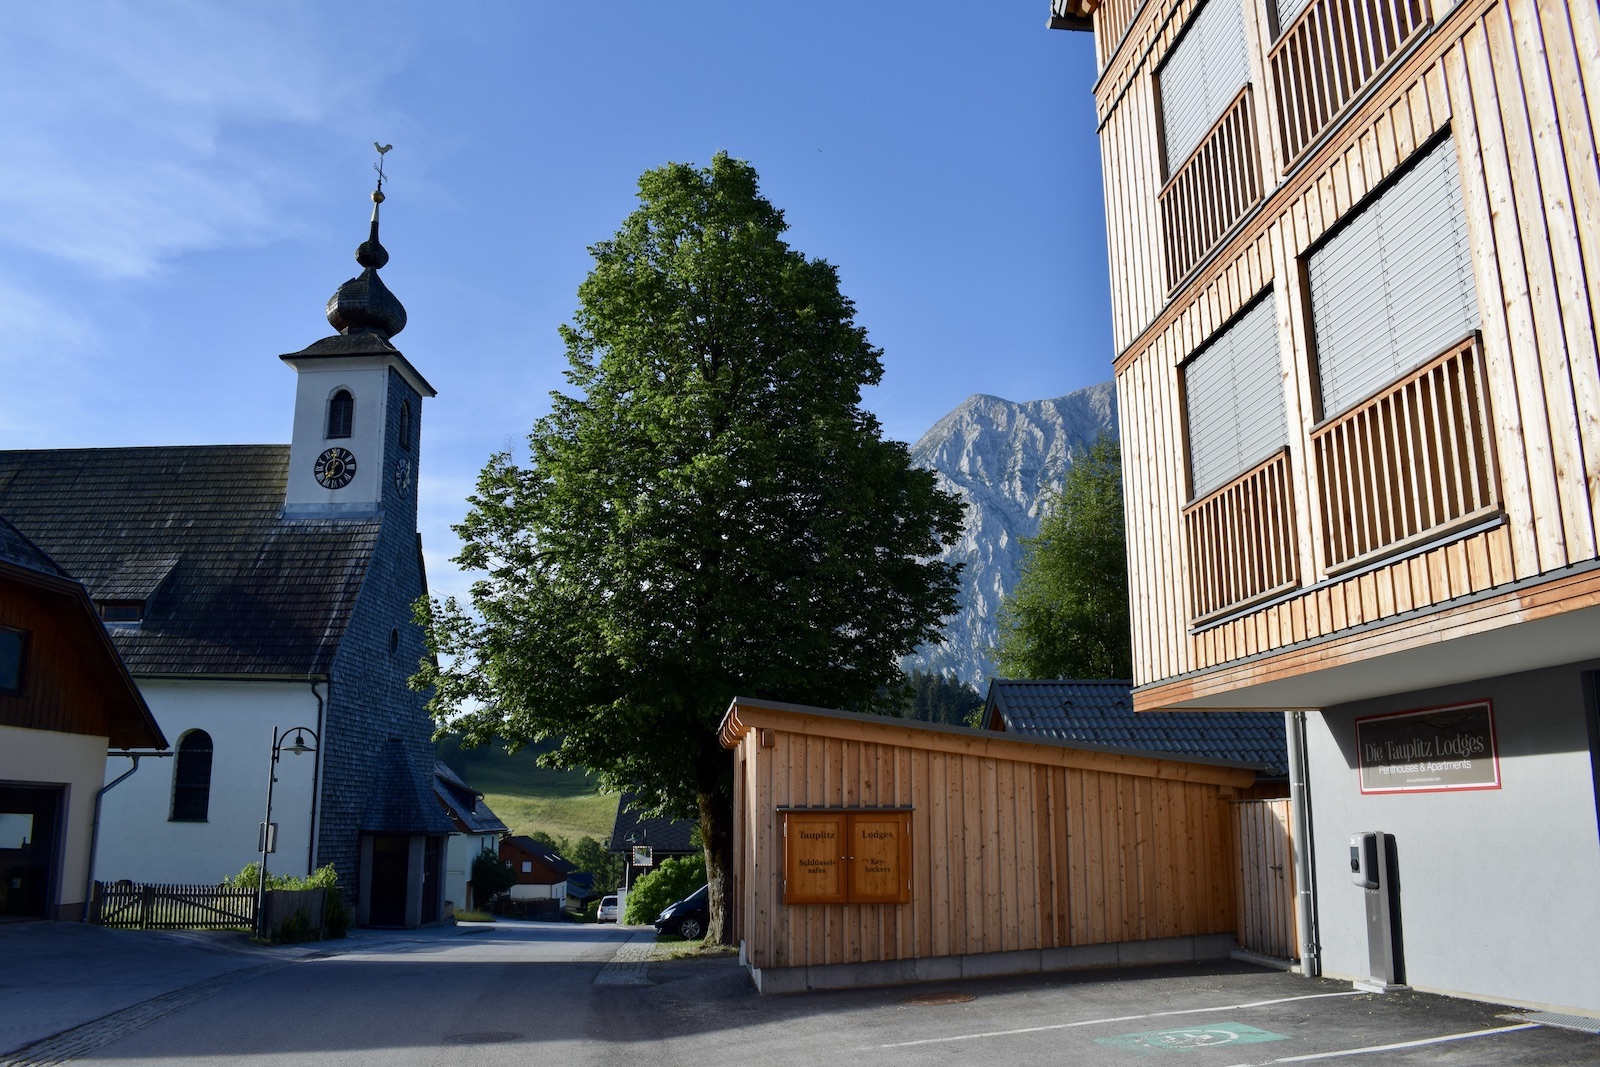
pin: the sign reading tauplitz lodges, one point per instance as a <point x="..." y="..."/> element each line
<point x="1429" y="751"/>
<point x="846" y="857"/>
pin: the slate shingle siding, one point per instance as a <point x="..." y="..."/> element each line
<point x="369" y="702"/>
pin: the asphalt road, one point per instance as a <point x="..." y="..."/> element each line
<point x="577" y="996"/>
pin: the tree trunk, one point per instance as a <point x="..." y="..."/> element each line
<point x="716" y="833"/>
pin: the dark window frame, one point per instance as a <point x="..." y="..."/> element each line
<point x="121" y="610"/>
<point x="21" y="646"/>
<point x="341" y="414"/>
<point x="191" y="778"/>
<point x="405" y="425"/>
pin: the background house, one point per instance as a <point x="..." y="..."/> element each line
<point x="254" y="587"/>
<point x="541" y="886"/>
<point x="477" y="829"/>
<point x="65" y="697"/>
<point x="664" y="836"/>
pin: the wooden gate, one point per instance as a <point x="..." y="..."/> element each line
<point x="127" y="906"/>
<point x="1266" y="903"/>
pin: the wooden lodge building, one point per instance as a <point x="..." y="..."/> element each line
<point x="870" y="850"/>
<point x="1354" y="256"/>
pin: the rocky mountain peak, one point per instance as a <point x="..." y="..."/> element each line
<point x="1002" y="458"/>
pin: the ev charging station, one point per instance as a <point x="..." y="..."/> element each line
<point x="1374" y="870"/>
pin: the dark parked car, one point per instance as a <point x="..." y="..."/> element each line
<point x="688" y="917"/>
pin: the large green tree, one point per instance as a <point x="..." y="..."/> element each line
<point x="708" y="512"/>
<point x="1068" y="615"/>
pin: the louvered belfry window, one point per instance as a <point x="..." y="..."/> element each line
<point x="1233" y="393"/>
<point x="341" y="414"/>
<point x="191" y="778"/>
<point x="1200" y="77"/>
<point x="1393" y="287"/>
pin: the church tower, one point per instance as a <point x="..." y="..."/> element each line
<point x="358" y="404"/>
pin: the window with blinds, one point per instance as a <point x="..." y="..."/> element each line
<point x="1233" y="395"/>
<point x="1289" y="10"/>
<point x="1393" y="288"/>
<point x="1201" y="75"/>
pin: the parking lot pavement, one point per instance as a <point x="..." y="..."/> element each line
<point x="1227" y="1015"/>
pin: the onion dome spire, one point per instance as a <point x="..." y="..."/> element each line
<point x="364" y="304"/>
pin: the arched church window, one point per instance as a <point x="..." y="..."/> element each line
<point x="405" y="425"/>
<point x="191" y="777"/>
<point x="341" y="414"/>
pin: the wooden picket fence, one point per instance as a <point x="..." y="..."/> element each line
<point x="132" y="906"/>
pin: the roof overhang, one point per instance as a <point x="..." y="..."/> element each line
<point x="1477" y="638"/>
<point x="1072" y="14"/>
<point x="360" y="350"/>
<point x="746" y="714"/>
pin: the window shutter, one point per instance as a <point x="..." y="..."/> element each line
<point x="1200" y="76"/>
<point x="1234" y="394"/>
<point x="1288" y="11"/>
<point x="1394" y="287"/>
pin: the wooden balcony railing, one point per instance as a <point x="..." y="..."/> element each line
<point x="1241" y="540"/>
<point x="1327" y="54"/>
<point x="1414" y="460"/>
<point x="1212" y="189"/>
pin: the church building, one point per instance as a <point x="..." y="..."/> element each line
<point x="261" y="591"/>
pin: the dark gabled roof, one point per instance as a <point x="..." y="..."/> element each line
<point x="397" y="803"/>
<point x="666" y="836"/>
<point x="231" y="587"/>
<point x="464" y="803"/>
<point x="18" y="551"/>
<point x="544" y="854"/>
<point x="1100" y="712"/>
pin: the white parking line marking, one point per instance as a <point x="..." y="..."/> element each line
<point x="1118" y="1019"/>
<point x="1397" y="1045"/>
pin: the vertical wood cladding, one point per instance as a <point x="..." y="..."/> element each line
<point x="1013" y="845"/>
<point x="1512" y="86"/>
<point x="61" y="688"/>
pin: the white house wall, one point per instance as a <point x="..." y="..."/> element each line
<point x="1497" y="887"/>
<point x="460" y="851"/>
<point x="77" y="761"/>
<point x="139" y="842"/>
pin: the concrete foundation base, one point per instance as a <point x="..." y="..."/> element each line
<point x="988" y="964"/>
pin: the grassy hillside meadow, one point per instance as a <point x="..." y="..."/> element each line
<point x="528" y="797"/>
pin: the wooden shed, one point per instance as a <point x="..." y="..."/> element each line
<point x="872" y="850"/>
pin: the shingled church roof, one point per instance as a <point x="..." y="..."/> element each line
<point x="195" y="533"/>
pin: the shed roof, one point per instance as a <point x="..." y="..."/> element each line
<point x="746" y="714"/>
<point x="230" y="586"/>
<point x="397" y="803"/>
<point x="1100" y="712"/>
<point x="464" y="803"/>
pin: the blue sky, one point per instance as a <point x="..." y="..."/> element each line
<point x="182" y="186"/>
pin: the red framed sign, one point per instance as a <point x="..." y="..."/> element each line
<point x="1435" y="750"/>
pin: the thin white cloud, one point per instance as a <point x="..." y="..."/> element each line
<point x="131" y="133"/>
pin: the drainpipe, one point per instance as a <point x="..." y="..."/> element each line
<point x="1305" y="852"/>
<point x="316" y="786"/>
<point x="94" y="827"/>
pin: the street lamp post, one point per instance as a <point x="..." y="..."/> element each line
<point x="267" y="840"/>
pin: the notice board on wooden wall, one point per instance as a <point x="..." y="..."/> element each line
<point x="847" y="857"/>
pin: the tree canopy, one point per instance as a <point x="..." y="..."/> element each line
<point x="1068" y="615"/>
<point x="708" y="512"/>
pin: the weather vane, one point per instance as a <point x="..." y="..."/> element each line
<point x="378" y="166"/>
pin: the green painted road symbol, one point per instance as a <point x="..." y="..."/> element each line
<point x="1189" y="1037"/>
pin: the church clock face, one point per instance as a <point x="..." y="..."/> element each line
<point x="335" y="468"/>
<point x="402" y="476"/>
